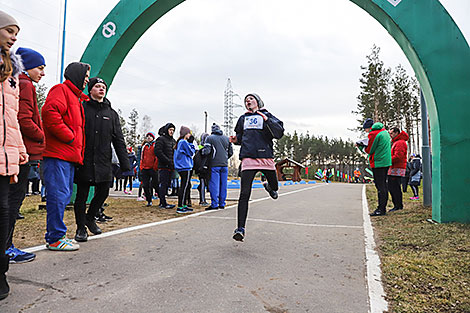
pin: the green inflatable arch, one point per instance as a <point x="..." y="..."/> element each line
<point x="430" y="39"/>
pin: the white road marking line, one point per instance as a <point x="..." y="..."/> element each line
<point x="286" y="193"/>
<point x="377" y="300"/>
<point x="171" y="220"/>
<point x="286" y="223"/>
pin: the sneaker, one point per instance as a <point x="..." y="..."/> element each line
<point x="414" y="198"/>
<point x="100" y="218"/>
<point x="221" y="207"/>
<point x="204" y="203"/>
<point x="127" y="192"/>
<point x="210" y="208"/>
<point x="19" y="216"/>
<point x="395" y="209"/>
<point x="63" y="244"/>
<point x="106" y="217"/>
<point x="189" y="210"/>
<point x="140" y="199"/>
<point x="182" y="210"/>
<point x="377" y="213"/>
<point x="149" y="203"/>
<point x="271" y="192"/>
<point x="239" y="234"/>
<point x="17" y="256"/>
<point x="166" y="206"/>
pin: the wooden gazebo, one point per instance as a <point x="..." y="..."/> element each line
<point x="285" y="164"/>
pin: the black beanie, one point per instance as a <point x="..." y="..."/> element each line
<point x="96" y="80"/>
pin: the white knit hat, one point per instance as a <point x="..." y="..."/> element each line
<point x="7" y="20"/>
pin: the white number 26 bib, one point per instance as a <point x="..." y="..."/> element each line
<point x="253" y="122"/>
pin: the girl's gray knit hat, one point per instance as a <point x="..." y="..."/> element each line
<point x="258" y="99"/>
<point x="7" y="20"/>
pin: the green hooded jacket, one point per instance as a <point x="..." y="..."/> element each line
<point x="379" y="147"/>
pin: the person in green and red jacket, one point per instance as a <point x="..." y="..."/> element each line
<point x="380" y="159"/>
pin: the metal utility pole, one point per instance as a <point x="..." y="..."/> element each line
<point x="427" y="187"/>
<point x="63" y="45"/>
<point x="205" y="122"/>
<point x="228" y="108"/>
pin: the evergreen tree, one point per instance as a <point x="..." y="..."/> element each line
<point x="147" y="125"/>
<point x="125" y="130"/>
<point x="133" y="138"/>
<point x="280" y="148"/>
<point x="400" y="97"/>
<point x="374" y="100"/>
<point x="41" y="94"/>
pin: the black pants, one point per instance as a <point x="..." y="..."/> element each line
<point x="404" y="183"/>
<point x="101" y="194"/>
<point x="150" y="183"/>
<point x="203" y="186"/>
<point x="184" y="193"/>
<point x="380" y="181"/>
<point x="34" y="185"/>
<point x="245" y="191"/>
<point x="4" y="222"/>
<point x="415" y="189"/>
<point x="165" y="180"/>
<point x="126" y="180"/>
<point x="16" y="196"/>
<point x="394" y="187"/>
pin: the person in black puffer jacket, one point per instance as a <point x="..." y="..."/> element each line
<point x="255" y="131"/>
<point x="102" y="128"/>
<point x="415" y="175"/>
<point x="164" y="148"/>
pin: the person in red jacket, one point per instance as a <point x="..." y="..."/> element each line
<point x="148" y="167"/>
<point x="33" y="138"/>
<point x="63" y="121"/>
<point x="398" y="168"/>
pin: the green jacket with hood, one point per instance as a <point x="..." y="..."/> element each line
<point x="379" y="147"/>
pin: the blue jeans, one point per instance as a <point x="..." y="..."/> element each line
<point x="218" y="186"/>
<point x="58" y="178"/>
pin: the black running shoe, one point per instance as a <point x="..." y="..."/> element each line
<point x="239" y="234"/>
<point x="271" y="192"/>
<point x="377" y="213"/>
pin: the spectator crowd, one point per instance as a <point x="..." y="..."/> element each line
<point x="77" y="139"/>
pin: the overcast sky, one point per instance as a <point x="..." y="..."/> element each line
<point x="303" y="58"/>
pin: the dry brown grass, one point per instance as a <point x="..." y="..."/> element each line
<point x="125" y="212"/>
<point x="425" y="266"/>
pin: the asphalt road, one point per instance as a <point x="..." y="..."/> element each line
<point x="303" y="253"/>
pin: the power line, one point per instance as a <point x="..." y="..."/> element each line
<point x="30" y="16"/>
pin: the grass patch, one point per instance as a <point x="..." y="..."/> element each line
<point x="126" y="212"/>
<point x="425" y="266"/>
